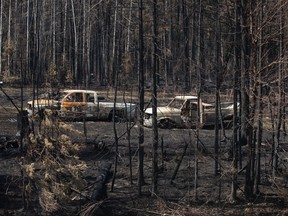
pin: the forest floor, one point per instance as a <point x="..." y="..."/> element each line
<point x="174" y="197"/>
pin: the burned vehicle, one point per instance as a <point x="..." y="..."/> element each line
<point x="183" y="112"/>
<point x="79" y="104"/>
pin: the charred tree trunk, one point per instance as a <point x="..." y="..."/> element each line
<point x="246" y="130"/>
<point x="217" y="101"/>
<point x="237" y="59"/>
<point x="1" y="34"/>
<point x="154" y="100"/>
<point x="186" y="46"/>
<point x="259" y="141"/>
<point x="24" y="73"/>
<point x="141" y="101"/>
<point x="112" y="57"/>
<point x="115" y="134"/>
<point x="259" y="109"/>
<point x="199" y="87"/>
<point x="75" y="56"/>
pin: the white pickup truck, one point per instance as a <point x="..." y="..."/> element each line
<point x="79" y="104"/>
<point x="181" y="112"/>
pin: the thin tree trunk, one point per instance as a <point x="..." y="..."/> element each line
<point x="15" y="31"/>
<point x="141" y="101"/>
<point x="154" y="100"/>
<point x="217" y="101"/>
<point x="64" y="57"/>
<point x="127" y="47"/>
<point x="24" y="74"/>
<point x="186" y="46"/>
<point x="199" y="87"/>
<point x="1" y="34"/>
<point x="249" y="178"/>
<point x="76" y="75"/>
<point x="246" y="130"/>
<point x="259" y="110"/>
<point x="128" y="129"/>
<point x="280" y="96"/>
<point x="84" y="47"/>
<point x="112" y="55"/>
<point x="237" y="59"/>
<point x="259" y="140"/>
<point x="9" y="41"/>
<point x="216" y="129"/>
<point x="54" y="32"/>
<point x="88" y="49"/>
<point x="115" y="135"/>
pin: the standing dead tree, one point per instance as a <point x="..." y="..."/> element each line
<point x="154" y="99"/>
<point x="141" y="100"/>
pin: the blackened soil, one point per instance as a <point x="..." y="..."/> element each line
<point x="174" y="197"/>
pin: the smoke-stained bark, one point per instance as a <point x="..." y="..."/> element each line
<point x="154" y="99"/>
<point x="141" y="100"/>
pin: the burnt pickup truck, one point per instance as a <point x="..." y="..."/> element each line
<point x="181" y="112"/>
<point x="79" y="104"/>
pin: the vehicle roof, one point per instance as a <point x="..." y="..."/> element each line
<point x="186" y="97"/>
<point x="79" y="91"/>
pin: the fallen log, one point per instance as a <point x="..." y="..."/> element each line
<point x="99" y="191"/>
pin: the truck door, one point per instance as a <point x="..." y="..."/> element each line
<point x="92" y="107"/>
<point x="74" y="102"/>
<point x="193" y="113"/>
<point x="189" y="113"/>
<point x="194" y="107"/>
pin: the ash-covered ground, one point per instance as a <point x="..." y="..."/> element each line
<point x="175" y="197"/>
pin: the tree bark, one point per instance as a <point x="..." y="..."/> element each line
<point x="237" y="59"/>
<point x="53" y="32"/>
<point x="217" y="97"/>
<point x="115" y="134"/>
<point x="199" y="87"/>
<point x="141" y="101"/>
<point x="9" y="41"/>
<point x="280" y="94"/>
<point x="186" y="46"/>
<point x="246" y="130"/>
<point x="75" y="56"/>
<point x="1" y="34"/>
<point x="154" y="100"/>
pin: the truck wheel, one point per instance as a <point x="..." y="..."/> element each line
<point x="118" y="115"/>
<point x="228" y="124"/>
<point x="201" y="125"/>
<point x="166" y="124"/>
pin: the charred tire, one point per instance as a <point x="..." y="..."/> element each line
<point x="166" y="124"/>
<point x="118" y="115"/>
<point x="228" y="124"/>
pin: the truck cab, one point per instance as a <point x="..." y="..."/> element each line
<point x="80" y="103"/>
<point x="188" y="112"/>
<point x="180" y="112"/>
